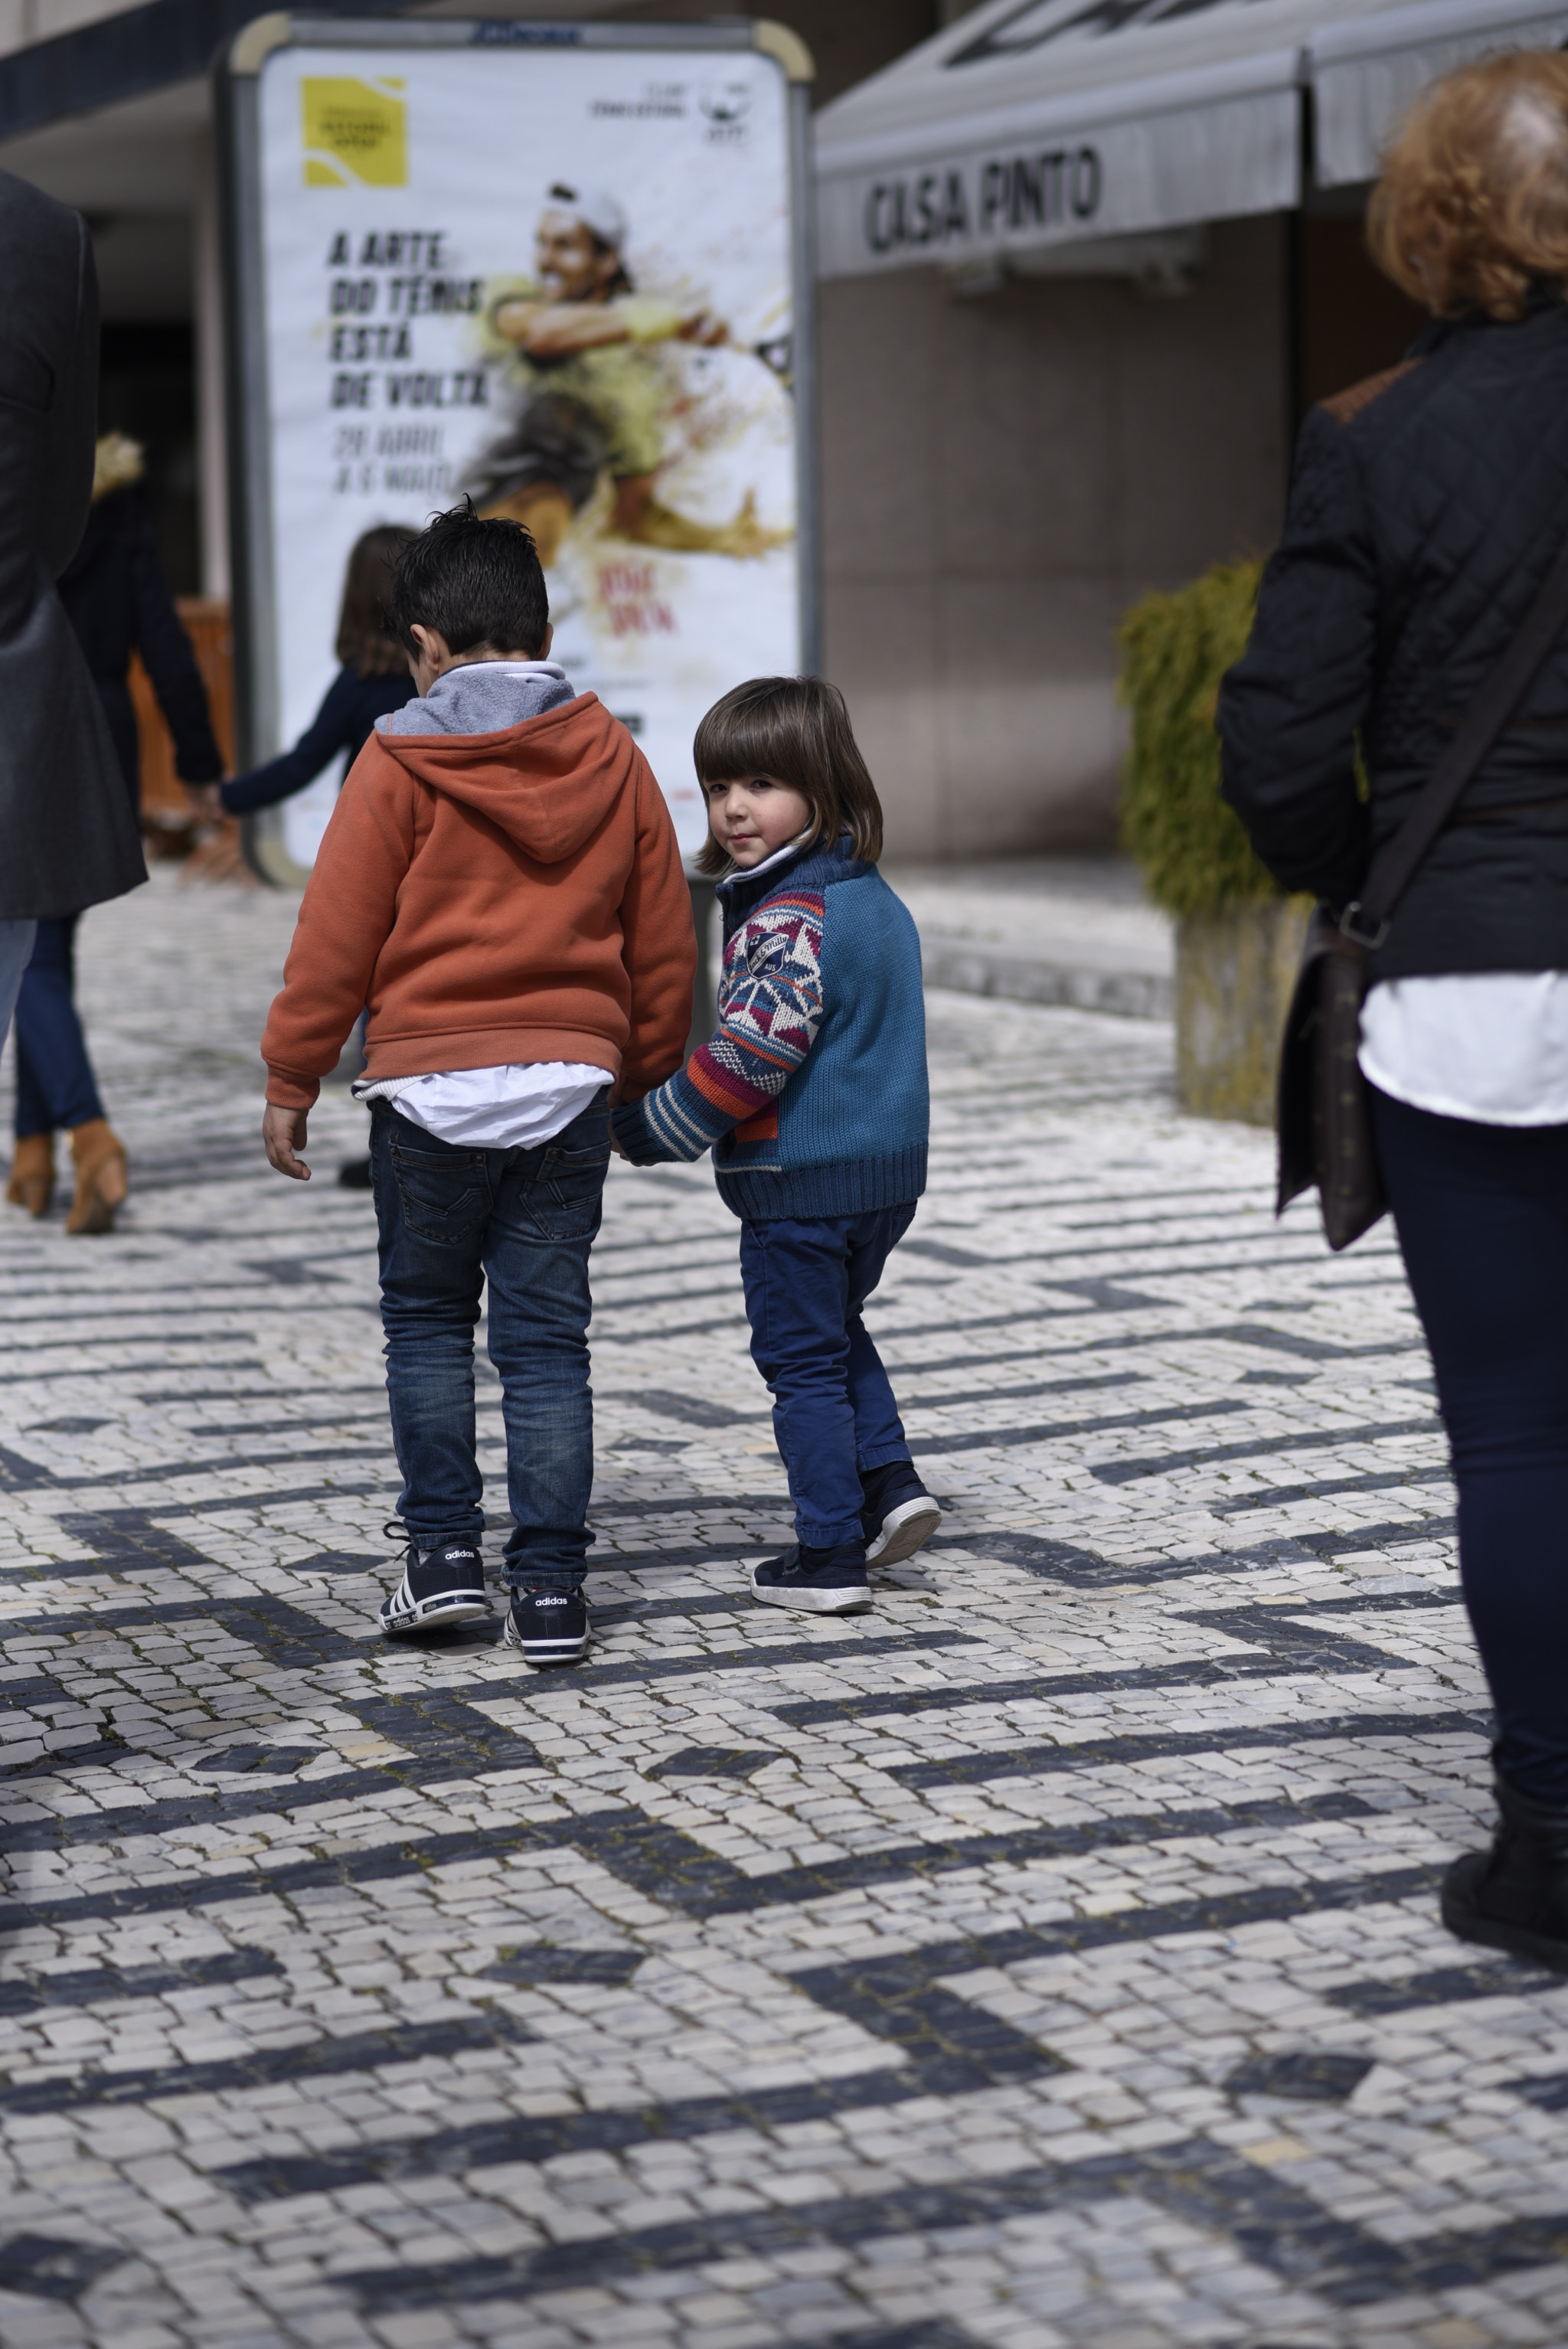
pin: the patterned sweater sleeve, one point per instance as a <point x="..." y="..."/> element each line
<point x="769" y="1019"/>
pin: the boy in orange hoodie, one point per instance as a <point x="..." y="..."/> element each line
<point x="501" y="887"/>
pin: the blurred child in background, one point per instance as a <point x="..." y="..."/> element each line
<point x="372" y="683"/>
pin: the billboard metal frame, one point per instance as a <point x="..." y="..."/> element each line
<point x="236" y="78"/>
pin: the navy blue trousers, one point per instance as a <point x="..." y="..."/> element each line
<point x="1483" y="1218"/>
<point x="55" y="1084"/>
<point x="833" y="1408"/>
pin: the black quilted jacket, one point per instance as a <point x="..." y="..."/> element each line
<point x="118" y="600"/>
<point x="1426" y="507"/>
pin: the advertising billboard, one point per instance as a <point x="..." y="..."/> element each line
<point x="562" y="269"/>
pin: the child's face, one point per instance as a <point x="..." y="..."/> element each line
<point x="752" y="818"/>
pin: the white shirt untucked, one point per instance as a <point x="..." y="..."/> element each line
<point x="1490" y="1046"/>
<point x="513" y="1107"/>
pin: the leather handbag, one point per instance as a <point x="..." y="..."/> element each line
<point x="1325" y="1104"/>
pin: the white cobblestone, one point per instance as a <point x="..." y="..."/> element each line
<point x="1055" y="1971"/>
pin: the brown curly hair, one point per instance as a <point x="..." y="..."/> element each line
<point x="1473" y="201"/>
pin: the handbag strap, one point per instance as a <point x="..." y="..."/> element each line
<point x="1364" y="922"/>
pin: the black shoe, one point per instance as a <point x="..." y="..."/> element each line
<point x="1515" y="1896"/>
<point x="899" y="1516"/>
<point x="354" y="1174"/>
<point x="820" y="1581"/>
<point x="552" y="1626"/>
<point x="447" y="1586"/>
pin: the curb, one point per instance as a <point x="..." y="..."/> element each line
<point x="972" y="970"/>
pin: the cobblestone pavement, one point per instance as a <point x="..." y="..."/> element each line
<point x="1049" y="1957"/>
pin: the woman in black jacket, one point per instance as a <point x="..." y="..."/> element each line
<point x="1426" y="508"/>
<point x="117" y="601"/>
<point x="373" y="681"/>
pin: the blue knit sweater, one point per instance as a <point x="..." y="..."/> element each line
<point x="812" y="1095"/>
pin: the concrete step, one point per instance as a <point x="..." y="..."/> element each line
<point x="1072" y="930"/>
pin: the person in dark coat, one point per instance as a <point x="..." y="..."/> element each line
<point x="373" y="681"/>
<point x="1426" y="507"/>
<point x="71" y="839"/>
<point x="117" y="601"/>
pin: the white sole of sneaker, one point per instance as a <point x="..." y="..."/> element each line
<point x="545" y="1652"/>
<point x="429" y="1614"/>
<point x="904" y="1530"/>
<point x="811" y="1602"/>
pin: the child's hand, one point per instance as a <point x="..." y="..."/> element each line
<point x="283" y="1132"/>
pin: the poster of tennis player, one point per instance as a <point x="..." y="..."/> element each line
<point x="556" y="279"/>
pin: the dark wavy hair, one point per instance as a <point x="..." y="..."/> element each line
<point x="797" y="731"/>
<point x="365" y="643"/>
<point x="476" y="581"/>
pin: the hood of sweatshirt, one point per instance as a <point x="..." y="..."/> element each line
<point x="481" y="697"/>
<point x="547" y="781"/>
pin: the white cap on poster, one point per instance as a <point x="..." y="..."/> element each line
<point x="596" y="208"/>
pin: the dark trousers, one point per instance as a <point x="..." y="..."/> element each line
<point x="449" y="1219"/>
<point x="833" y="1409"/>
<point x="54" y="1086"/>
<point x="1483" y="1218"/>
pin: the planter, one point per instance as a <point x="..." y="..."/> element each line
<point x="1234" y="975"/>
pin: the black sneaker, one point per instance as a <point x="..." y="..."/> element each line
<point x="820" y="1581"/>
<point x="447" y="1586"/>
<point x="550" y="1626"/>
<point x="1515" y="1896"/>
<point x="899" y="1516"/>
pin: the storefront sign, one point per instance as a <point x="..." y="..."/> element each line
<point x="1025" y="190"/>
<point x="559" y="276"/>
<point x="1133" y="160"/>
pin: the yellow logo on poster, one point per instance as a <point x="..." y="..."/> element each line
<point x="355" y="134"/>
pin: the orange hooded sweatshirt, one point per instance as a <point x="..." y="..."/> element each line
<point x="513" y="896"/>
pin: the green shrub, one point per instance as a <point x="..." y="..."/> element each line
<point x="1195" y="856"/>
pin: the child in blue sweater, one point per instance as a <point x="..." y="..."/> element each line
<point x="812" y="1098"/>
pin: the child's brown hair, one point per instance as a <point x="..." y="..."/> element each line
<point x="797" y="731"/>
<point x="365" y="643"/>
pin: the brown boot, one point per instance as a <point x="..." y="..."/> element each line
<point x="32" y="1184"/>
<point x="100" y="1177"/>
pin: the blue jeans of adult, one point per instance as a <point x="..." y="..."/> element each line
<point x="835" y="1414"/>
<point x="54" y="1085"/>
<point x="1482" y="1218"/>
<point x="17" y="939"/>
<point x="452" y="1218"/>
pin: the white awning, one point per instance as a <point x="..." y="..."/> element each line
<point x="1366" y="71"/>
<point x="1032" y="122"/>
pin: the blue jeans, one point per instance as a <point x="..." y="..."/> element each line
<point x="452" y="1218"/>
<point x="833" y="1409"/>
<point x="1482" y="1218"/>
<point x="54" y="1086"/>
